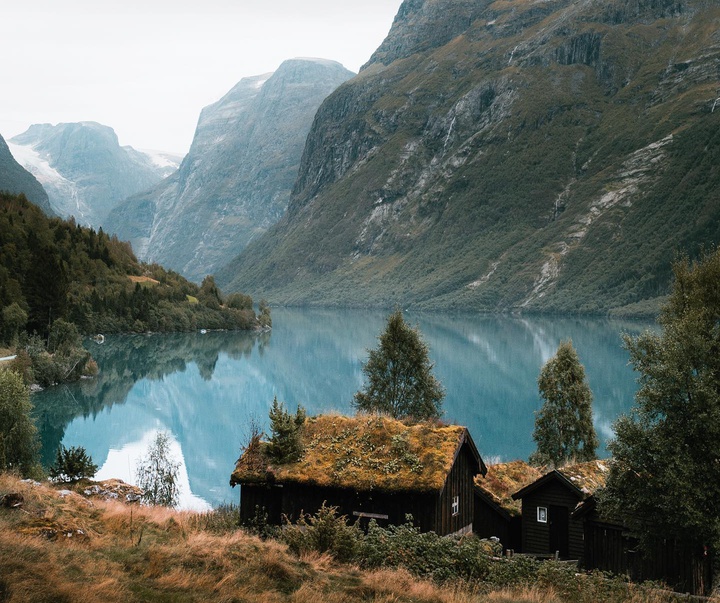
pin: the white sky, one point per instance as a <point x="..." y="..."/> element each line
<point x="147" y="67"/>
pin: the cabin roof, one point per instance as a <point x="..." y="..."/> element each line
<point x="364" y="452"/>
<point x="583" y="479"/>
<point x="502" y="480"/>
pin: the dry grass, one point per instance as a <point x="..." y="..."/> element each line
<point x="504" y="479"/>
<point x="145" y="280"/>
<point x="587" y="477"/>
<point x="120" y="553"/>
<point x="364" y="452"/>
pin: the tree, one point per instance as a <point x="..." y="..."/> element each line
<point x="157" y="474"/>
<point x="72" y="464"/>
<point x="19" y="445"/>
<point x="264" y="317"/>
<point x="285" y="445"/>
<point x="564" y="429"/>
<point x="667" y="451"/>
<point x="14" y="319"/>
<point x="399" y="375"/>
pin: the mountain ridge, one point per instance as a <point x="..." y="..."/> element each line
<point x="235" y="182"/>
<point x="84" y="168"/>
<point x="531" y="163"/>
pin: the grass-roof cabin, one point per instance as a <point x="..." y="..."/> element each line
<point x="548" y="503"/>
<point x="497" y="514"/>
<point x="370" y="467"/>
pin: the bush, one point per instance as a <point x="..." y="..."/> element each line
<point x="325" y="532"/>
<point x="72" y="464"/>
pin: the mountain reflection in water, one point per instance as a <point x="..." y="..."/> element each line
<point x="204" y="389"/>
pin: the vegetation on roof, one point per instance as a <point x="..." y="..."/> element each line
<point x="363" y="452"/>
<point x="504" y="479"/>
<point x="587" y="477"/>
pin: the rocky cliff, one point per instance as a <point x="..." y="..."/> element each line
<point x="83" y="168"/>
<point x="14" y="178"/>
<point x="235" y="182"/>
<point x="515" y="155"/>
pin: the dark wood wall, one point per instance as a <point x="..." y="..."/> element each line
<point x="536" y="535"/>
<point x="609" y="547"/>
<point x="459" y="482"/>
<point x="489" y="522"/>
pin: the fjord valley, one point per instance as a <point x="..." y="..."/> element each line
<point x="507" y="156"/>
<point x="235" y="181"/>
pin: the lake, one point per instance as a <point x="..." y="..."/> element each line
<point x="205" y="389"/>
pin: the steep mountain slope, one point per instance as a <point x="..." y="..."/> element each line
<point x="83" y="168"/>
<point x="508" y="155"/>
<point x="236" y="180"/>
<point x="14" y="178"/>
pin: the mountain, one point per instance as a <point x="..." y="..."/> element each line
<point x="14" y="178"/>
<point x="507" y="156"/>
<point x="84" y="169"/>
<point x="235" y="182"/>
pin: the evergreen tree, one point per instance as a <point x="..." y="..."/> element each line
<point x="285" y="445"/>
<point x="399" y="375"/>
<point x="19" y="446"/>
<point x="564" y="429"/>
<point x="72" y="464"/>
<point x="157" y="474"/>
<point x="667" y="451"/>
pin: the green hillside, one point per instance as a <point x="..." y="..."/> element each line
<point x="52" y="268"/>
<point x="507" y="156"/>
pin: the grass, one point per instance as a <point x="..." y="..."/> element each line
<point x="71" y="549"/>
<point x="368" y="452"/>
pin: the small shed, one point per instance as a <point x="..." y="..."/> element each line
<point x="548" y="503"/>
<point x="369" y="467"/>
<point x="497" y="514"/>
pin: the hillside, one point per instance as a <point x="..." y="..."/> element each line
<point x="235" y="182"/>
<point x="507" y="156"/>
<point x="52" y="268"/>
<point x="15" y="179"/>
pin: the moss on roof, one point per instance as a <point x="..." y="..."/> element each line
<point x="504" y="479"/>
<point x="587" y="477"/>
<point x="362" y="453"/>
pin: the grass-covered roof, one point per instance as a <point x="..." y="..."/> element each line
<point x="587" y="477"/>
<point x="504" y="479"/>
<point x="362" y="453"/>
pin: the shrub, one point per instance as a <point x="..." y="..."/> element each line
<point x="324" y="532"/>
<point x="72" y="464"/>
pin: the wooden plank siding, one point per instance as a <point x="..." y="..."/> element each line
<point x="459" y="483"/>
<point x="490" y="520"/>
<point x="536" y="535"/>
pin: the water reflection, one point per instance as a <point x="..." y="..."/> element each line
<point x="204" y="389"/>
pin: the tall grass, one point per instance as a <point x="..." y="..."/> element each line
<point x="69" y="549"/>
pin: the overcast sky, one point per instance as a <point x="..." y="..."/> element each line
<point x="147" y="67"/>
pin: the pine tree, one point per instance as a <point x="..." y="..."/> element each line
<point x="564" y="429"/>
<point x="399" y="375"/>
<point x="667" y="451"/>
<point x="285" y="445"/>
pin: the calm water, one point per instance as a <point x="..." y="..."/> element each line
<point x="205" y="389"/>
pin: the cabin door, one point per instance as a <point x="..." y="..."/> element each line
<point x="558" y="519"/>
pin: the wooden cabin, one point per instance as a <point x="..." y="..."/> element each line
<point x="497" y="514"/>
<point x="610" y="546"/>
<point x="369" y="467"/>
<point x="548" y="525"/>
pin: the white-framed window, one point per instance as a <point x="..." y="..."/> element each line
<point x="542" y="514"/>
<point x="456" y="505"/>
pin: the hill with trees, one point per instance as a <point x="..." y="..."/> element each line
<point x="54" y="269"/>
